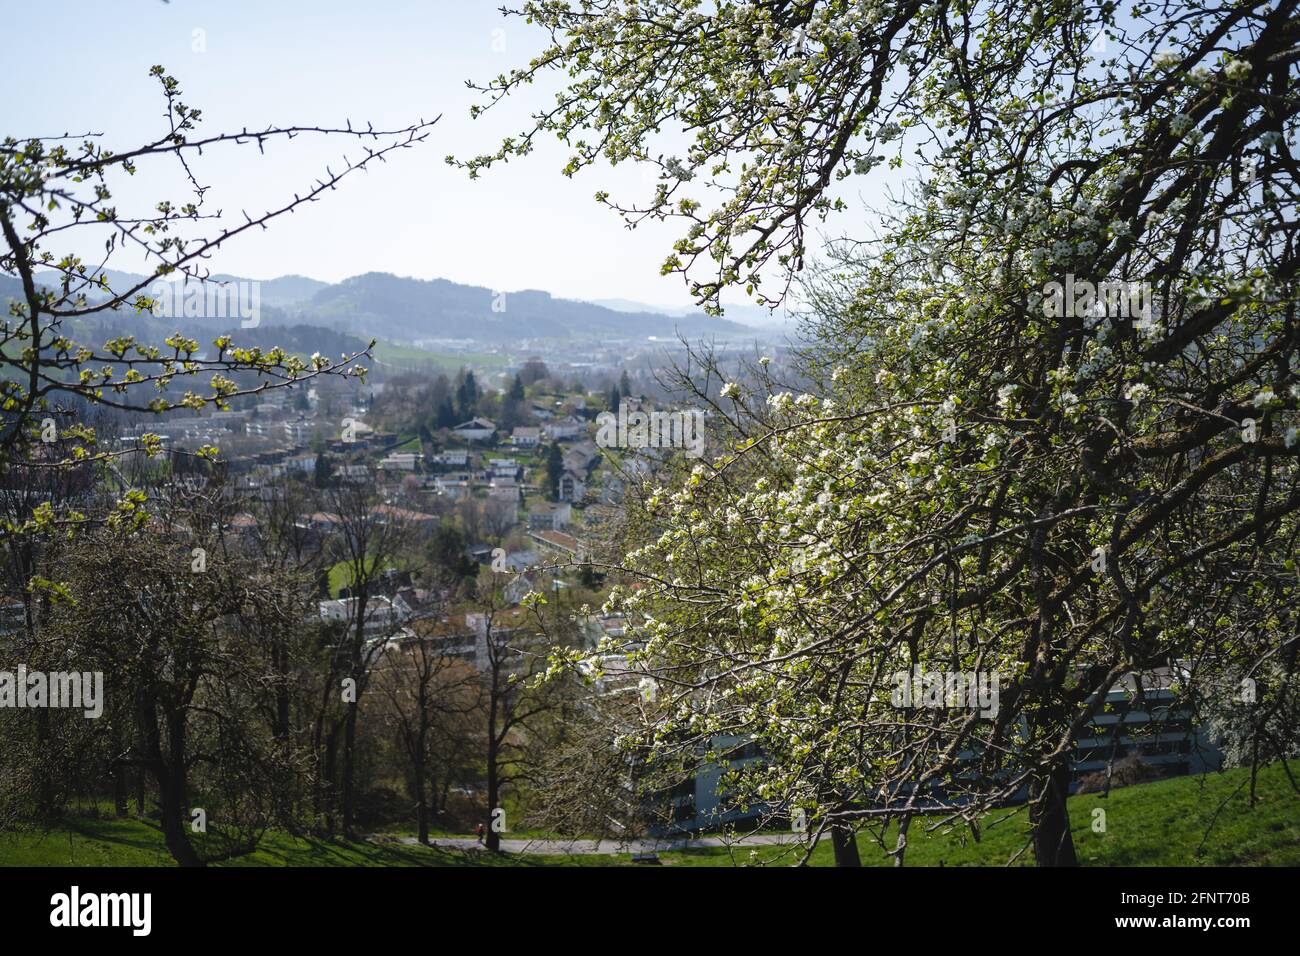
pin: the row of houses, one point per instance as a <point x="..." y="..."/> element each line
<point x="479" y="430"/>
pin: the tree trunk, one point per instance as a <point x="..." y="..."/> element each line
<point x="1050" y="818"/>
<point x="329" y="781"/>
<point x="350" y="724"/>
<point x="172" y="794"/>
<point x="421" y="803"/>
<point x="173" y="823"/>
<point x="119" y="790"/>
<point x="280" y="663"/>
<point x="900" y="847"/>
<point x="349" y="771"/>
<point x="492" y="838"/>
<point x="845" y="846"/>
<point x="46" y="806"/>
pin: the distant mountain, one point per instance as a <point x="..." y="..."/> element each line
<point x="627" y="305"/>
<point x="11" y="287"/>
<point x="751" y="315"/>
<point x="286" y="290"/>
<point x="381" y="305"/>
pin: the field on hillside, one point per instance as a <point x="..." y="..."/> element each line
<point x="394" y="358"/>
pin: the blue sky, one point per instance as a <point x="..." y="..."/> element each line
<point x="83" y="66"/>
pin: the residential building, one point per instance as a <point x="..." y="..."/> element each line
<point x="526" y="437"/>
<point x="451" y="459"/>
<point x="300" y="432"/>
<point x="564" y="546"/>
<point x="401" y="461"/>
<point x="475" y="430"/>
<point x="564" y="429"/>
<point x="572" y="487"/>
<point x="549" y="516"/>
<point x="417" y="520"/>
<point x="352" y="474"/>
<point x="383" y="618"/>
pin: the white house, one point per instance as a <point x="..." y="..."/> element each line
<point x="572" y="487"/>
<point x="299" y="433"/>
<point x="549" y="516"/>
<point x="454" y="486"/>
<point x="383" y="617"/>
<point x="401" y="461"/>
<point x="564" y="428"/>
<point x="352" y="474"/>
<point x="476" y="429"/>
<point x="306" y="462"/>
<point x="526" y="437"/>
<point x="452" y="459"/>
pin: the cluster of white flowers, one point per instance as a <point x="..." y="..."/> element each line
<point x="1236" y="70"/>
<point x="1166" y="60"/>
<point x="675" y="169"/>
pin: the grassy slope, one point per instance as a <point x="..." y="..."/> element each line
<point x="341" y="574"/>
<point x="99" y="842"/>
<point x="403" y="356"/>
<point x="1157" y="824"/>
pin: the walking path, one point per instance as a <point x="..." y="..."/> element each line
<point x="550" y="847"/>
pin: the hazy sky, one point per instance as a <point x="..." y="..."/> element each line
<point x="83" y="66"/>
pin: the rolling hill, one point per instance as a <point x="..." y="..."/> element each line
<point x="382" y="305"/>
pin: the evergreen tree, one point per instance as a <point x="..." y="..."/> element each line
<point x="512" y="406"/>
<point x="516" y="389"/>
<point x="324" y="472"/>
<point x="445" y="415"/>
<point x="467" y="396"/>
<point x="554" y="470"/>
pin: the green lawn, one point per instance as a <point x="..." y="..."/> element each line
<point x="83" y="841"/>
<point x="341" y="574"/>
<point x="406" y="356"/>
<point x="1155" y="824"/>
